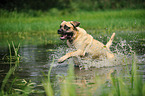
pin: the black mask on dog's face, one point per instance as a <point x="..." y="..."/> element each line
<point x="66" y="32"/>
<point x="67" y="28"/>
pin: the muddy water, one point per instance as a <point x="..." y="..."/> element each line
<point x="37" y="59"/>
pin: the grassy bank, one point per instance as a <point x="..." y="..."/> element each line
<point x="26" y="28"/>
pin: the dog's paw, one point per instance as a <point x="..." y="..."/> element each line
<point x="60" y="60"/>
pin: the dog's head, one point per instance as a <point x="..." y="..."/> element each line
<point x="68" y="29"/>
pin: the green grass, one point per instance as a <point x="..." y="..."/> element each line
<point x="117" y="20"/>
<point x="26" y="28"/>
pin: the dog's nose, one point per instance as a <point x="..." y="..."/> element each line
<point x="60" y="31"/>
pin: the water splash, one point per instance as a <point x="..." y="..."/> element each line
<point x="121" y="50"/>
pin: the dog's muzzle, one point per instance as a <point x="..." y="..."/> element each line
<point x="60" y="31"/>
<point x="65" y="35"/>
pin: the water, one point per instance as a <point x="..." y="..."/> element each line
<point x="36" y="60"/>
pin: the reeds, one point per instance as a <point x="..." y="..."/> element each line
<point x="132" y="85"/>
<point x="12" y="69"/>
<point x="8" y="90"/>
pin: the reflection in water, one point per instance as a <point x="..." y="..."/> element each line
<point x="37" y="59"/>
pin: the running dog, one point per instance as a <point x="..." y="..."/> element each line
<point x="85" y="45"/>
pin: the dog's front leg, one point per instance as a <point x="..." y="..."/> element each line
<point x="71" y="54"/>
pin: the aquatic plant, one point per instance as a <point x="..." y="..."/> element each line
<point x="17" y="56"/>
<point x="117" y="85"/>
<point x="130" y="85"/>
<point x="46" y="82"/>
<point x="12" y="68"/>
<point x="67" y="86"/>
<point x="12" y="57"/>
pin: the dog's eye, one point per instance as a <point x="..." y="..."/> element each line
<point x="66" y="27"/>
<point x="60" y="26"/>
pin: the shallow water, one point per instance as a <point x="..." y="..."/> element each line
<point x="36" y="59"/>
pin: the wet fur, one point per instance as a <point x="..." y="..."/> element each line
<point x="85" y="45"/>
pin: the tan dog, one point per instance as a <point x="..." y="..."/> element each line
<point x="85" y="45"/>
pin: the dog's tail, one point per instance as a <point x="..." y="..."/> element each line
<point x="110" y="41"/>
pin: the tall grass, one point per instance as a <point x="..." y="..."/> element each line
<point x="123" y="19"/>
<point x="43" y="28"/>
<point x="131" y="85"/>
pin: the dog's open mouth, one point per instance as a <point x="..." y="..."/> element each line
<point x="66" y="36"/>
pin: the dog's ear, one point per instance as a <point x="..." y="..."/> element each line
<point x="75" y="23"/>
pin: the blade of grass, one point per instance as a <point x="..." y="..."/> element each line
<point x="16" y="51"/>
<point x="10" y="53"/>
<point x="68" y="87"/>
<point x="46" y="82"/>
<point x="7" y="77"/>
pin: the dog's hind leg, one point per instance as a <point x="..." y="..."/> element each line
<point x="110" y="41"/>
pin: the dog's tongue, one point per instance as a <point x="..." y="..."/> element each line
<point x="63" y="37"/>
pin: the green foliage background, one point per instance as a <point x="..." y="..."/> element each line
<point x="31" y="20"/>
<point x="71" y="5"/>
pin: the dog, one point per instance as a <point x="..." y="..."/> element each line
<point x="84" y="44"/>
